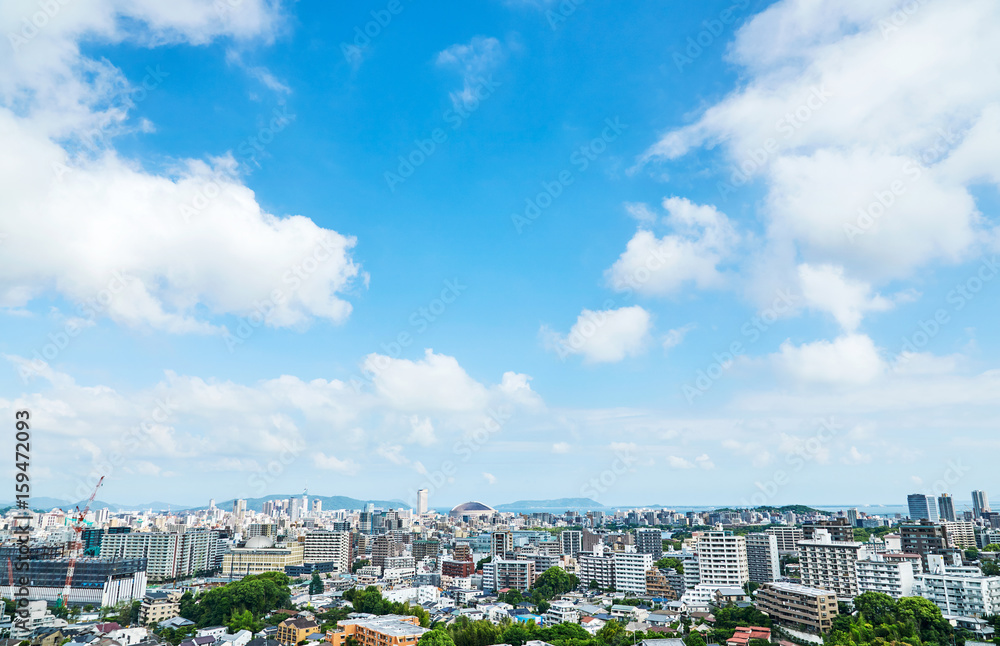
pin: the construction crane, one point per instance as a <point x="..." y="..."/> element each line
<point x="76" y="545"/>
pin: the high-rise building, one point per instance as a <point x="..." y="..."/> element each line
<point x="630" y="571"/>
<point x="169" y="555"/>
<point x="830" y="565"/>
<point x="980" y="503"/>
<point x="923" y="538"/>
<point x="946" y="507"/>
<point x="317" y="506"/>
<point x="722" y="558"/>
<point x="838" y="529"/>
<point x="295" y="509"/>
<point x="501" y="573"/>
<point x="876" y="573"/>
<point x="501" y="542"/>
<point x="922" y="507"/>
<point x="788" y="538"/>
<point x="324" y="546"/>
<point x="572" y="542"/>
<point x="798" y="605"/>
<point x="649" y="541"/>
<point x="422" y="501"/>
<point x="762" y="558"/>
<point x="852" y="517"/>
<point x="239" y="511"/>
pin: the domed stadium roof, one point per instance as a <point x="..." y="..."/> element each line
<point x="260" y="542"/>
<point x="472" y="508"/>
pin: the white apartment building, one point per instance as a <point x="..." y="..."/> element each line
<point x="958" y="591"/>
<point x="630" y="571"/>
<point x="788" y="538"/>
<point x="692" y="572"/>
<point x="831" y="565"/>
<point x="561" y="612"/>
<point x="168" y="555"/>
<point x="892" y="577"/>
<point x="323" y="546"/>
<point x="722" y="559"/>
<point x="762" y="558"/>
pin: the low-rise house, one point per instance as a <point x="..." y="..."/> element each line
<point x="294" y="629"/>
<point x="743" y="635"/>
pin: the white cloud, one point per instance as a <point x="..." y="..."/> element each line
<point x="704" y="462"/>
<point x="144" y="248"/>
<point x="676" y="462"/>
<point x="474" y="61"/>
<point x="561" y="447"/>
<point x="825" y="288"/>
<point x="393" y="453"/>
<point x="604" y="336"/>
<point x="854" y="456"/>
<point x="868" y="128"/>
<point x="675" y="337"/>
<point x="850" y="359"/>
<point x="490" y="478"/>
<point x="423" y="431"/>
<point x="703" y="238"/>
<point x="436" y="382"/>
<point x="333" y="463"/>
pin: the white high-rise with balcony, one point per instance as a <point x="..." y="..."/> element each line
<point x="722" y="559"/>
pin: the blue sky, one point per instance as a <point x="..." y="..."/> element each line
<point x="190" y="162"/>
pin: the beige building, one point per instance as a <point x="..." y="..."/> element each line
<point x="797" y="605"/>
<point x="159" y="606"/>
<point x="387" y="630"/>
<point x="239" y="562"/>
<point x="831" y="565"/>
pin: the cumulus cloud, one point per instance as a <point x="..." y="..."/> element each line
<point x="604" y="336"/>
<point x="848" y="359"/>
<point x="675" y="337"/>
<point x="436" y="382"/>
<point x="489" y="478"/>
<point x="561" y="447"/>
<point x="333" y="463"/>
<point x="859" y="120"/>
<point x="162" y="249"/>
<point x="825" y="288"/>
<point x="703" y="238"/>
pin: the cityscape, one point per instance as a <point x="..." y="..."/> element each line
<point x="379" y="575"/>
<point x="500" y="323"/>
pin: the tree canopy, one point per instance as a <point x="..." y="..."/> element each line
<point x="258" y="594"/>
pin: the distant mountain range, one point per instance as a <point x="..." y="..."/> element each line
<point x="43" y="503"/>
<point x="557" y="504"/>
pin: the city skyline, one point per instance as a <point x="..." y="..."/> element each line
<point x="674" y="252"/>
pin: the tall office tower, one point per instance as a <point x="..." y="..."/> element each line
<point x="922" y="507"/>
<point x="239" y="510"/>
<point x="370" y="507"/>
<point x="649" y="541"/>
<point x="317" y="506"/>
<point x="722" y="558"/>
<point x="211" y="503"/>
<point x="980" y="503"/>
<point x="268" y="508"/>
<point x="946" y="507"/>
<point x="305" y="504"/>
<point x="852" y="517"/>
<point x="762" y="558"/>
<point x="294" y="509"/>
<point x="422" y="501"/>
<point x="322" y="546"/>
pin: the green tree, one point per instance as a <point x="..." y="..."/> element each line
<point x="315" y="584"/>
<point x="670" y="562"/>
<point x="436" y="638"/>
<point x="359" y="564"/>
<point x="553" y="582"/>
<point x="516" y="634"/>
